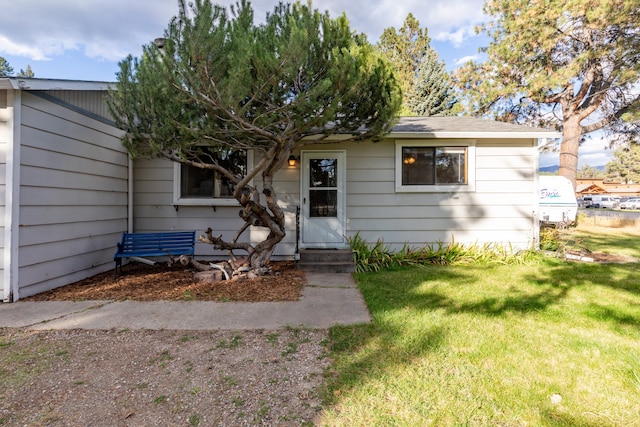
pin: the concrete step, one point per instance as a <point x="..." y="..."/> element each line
<point x="326" y="261"/>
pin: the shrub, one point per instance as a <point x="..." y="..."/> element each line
<point x="379" y="256"/>
<point x="549" y="239"/>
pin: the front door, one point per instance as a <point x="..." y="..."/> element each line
<point x="323" y="199"/>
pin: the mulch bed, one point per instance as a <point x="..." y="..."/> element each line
<point x="141" y="282"/>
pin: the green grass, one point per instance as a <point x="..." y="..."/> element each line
<point x="623" y="241"/>
<point x="486" y="345"/>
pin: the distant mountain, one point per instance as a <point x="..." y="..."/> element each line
<point x="554" y="168"/>
<point x="550" y="169"/>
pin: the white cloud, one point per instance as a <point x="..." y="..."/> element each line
<point x="456" y="37"/>
<point x="466" y="59"/>
<point x="110" y="29"/>
<point x="100" y="29"/>
<point x="10" y="47"/>
<point x="595" y="151"/>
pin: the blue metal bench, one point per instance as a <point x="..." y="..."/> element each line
<point x="153" y="245"/>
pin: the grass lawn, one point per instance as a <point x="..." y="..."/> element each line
<point x="551" y="343"/>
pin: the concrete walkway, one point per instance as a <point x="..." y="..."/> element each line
<point x="327" y="300"/>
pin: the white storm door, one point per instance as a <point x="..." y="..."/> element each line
<point x="323" y="199"/>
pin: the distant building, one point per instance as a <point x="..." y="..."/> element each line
<point x="590" y="186"/>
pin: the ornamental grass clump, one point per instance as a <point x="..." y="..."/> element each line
<point x="379" y="256"/>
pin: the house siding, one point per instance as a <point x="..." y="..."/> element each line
<point x="73" y="198"/>
<point x="154" y="210"/>
<point x="499" y="211"/>
<point x="93" y="101"/>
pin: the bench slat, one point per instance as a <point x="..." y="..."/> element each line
<point x="154" y="244"/>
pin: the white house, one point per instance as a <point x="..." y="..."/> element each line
<point x="64" y="176"/>
<point x="70" y="189"/>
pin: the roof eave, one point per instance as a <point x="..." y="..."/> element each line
<point x="18" y="83"/>
<point x="473" y="135"/>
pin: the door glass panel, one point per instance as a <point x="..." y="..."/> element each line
<point x="323" y="203"/>
<point x="323" y="173"/>
<point x="323" y="188"/>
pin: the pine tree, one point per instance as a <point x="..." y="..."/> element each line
<point x="6" y="70"/>
<point x="433" y="93"/>
<point x="417" y="69"/>
<point x="625" y="166"/>
<point x="572" y="65"/>
<point x="27" y="73"/>
<point x="587" y="171"/>
<point x="223" y="81"/>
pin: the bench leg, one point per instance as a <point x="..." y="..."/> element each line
<point x="115" y="272"/>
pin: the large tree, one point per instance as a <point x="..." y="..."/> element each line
<point x="433" y="93"/>
<point x="573" y="65"/>
<point x="222" y="81"/>
<point x="625" y="165"/>
<point x="426" y="85"/>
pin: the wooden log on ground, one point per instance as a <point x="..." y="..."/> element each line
<point x="211" y="276"/>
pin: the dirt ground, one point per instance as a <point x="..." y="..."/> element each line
<point x="165" y="378"/>
<point x="141" y="282"/>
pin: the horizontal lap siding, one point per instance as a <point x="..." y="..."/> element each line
<point x="499" y="211"/>
<point x="154" y="210"/>
<point x="73" y="194"/>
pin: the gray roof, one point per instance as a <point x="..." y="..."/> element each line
<point x="23" y="83"/>
<point x="464" y="127"/>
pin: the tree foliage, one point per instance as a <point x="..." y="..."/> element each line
<point x="6" y="70"/>
<point x="573" y="65"/>
<point x="27" y="73"/>
<point x="223" y="81"/>
<point x="587" y="171"/>
<point x="625" y="166"/>
<point x="426" y="85"/>
<point x="433" y="93"/>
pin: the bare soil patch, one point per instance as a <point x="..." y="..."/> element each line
<point x="141" y="282"/>
<point x="161" y="378"/>
<point x="600" y="257"/>
<point x="165" y="378"/>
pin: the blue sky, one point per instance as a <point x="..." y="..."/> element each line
<point x="85" y="39"/>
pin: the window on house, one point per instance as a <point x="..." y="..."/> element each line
<point x="427" y="167"/>
<point x="196" y="186"/>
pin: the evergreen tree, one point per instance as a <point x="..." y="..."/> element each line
<point x="6" y="70"/>
<point x="432" y="93"/>
<point x="573" y="65"/>
<point x="587" y="171"/>
<point x="27" y="73"/>
<point x="625" y="166"/>
<point x="223" y="81"/>
<point x="418" y="70"/>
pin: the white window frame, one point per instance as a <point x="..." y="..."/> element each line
<point x="198" y="201"/>
<point x="470" y="186"/>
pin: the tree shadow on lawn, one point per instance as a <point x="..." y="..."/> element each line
<point x="366" y="352"/>
<point x="548" y="286"/>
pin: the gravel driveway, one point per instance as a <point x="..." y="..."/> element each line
<point x="161" y="378"/>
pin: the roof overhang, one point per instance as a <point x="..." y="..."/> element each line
<point x="473" y="135"/>
<point x="19" y="83"/>
<point x="456" y="127"/>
